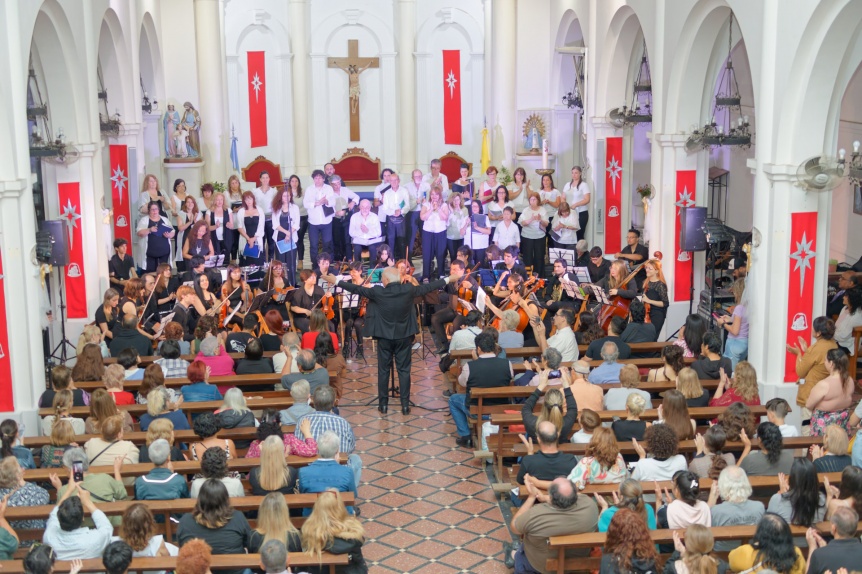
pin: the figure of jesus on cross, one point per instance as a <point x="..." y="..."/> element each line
<point x="353" y="65"/>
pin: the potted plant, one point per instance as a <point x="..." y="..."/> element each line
<point x="505" y="176"/>
<point x="645" y="191"/>
<point x="833" y="265"/>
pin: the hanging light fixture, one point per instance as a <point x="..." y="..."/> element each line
<point x="575" y="99"/>
<point x="42" y="141"/>
<point x="854" y="166"/>
<point x="725" y="131"/>
<point x="639" y="109"/>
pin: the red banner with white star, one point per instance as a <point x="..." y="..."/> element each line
<point x="7" y="403"/>
<point x="257" y="98"/>
<point x="685" y="191"/>
<point x="452" y="97"/>
<point x="800" y="285"/>
<point x="613" y="195"/>
<point x="120" y="193"/>
<point x="70" y="214"/>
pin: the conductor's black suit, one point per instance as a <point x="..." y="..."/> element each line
<point x="391" y="319"/>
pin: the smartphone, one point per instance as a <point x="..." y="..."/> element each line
<point x="78" y="470"/>
<point x="555" y="375"/>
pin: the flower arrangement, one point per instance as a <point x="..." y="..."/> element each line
<point x="219" y="187"/>
<point x="505" y="176"/>
<point x="645" y="190"/>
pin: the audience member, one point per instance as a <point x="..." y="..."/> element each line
<point x="776" y="410"/>
<point x="199" y="388"/>
<point x="103" y="450"/>
<point x="632" y="427"/>
<point x="62" y="405"/>
<point x="609" y="370"/>
<point x="631" y="496"/>
<point x="564" y="339"/>
<point x="172" y="364"/>
<point x="602" y="463"/>
<point x="832" y="456"/>
<point x="799" y="500"/>
<point x="113" y="380"/>
<point x="844" y="551"/>
<point x="65" y="532"/>
<point x="662" y="444"/>
<point x="254" y="363"/>
<point x="615" y="329"/>
<point x="206" y="427"/>
<point x="159" y="406"/>
<point x="848" y="495"/>
<point x="710" y="459"/>
<point x="237" y="341"/>
<point x="316" y="375"/>
<point x="299" y="391"/>
<point x="550" y="359"/>
<point x="291" y="444"/>
<point x="164" y="429"/>
<point x="9" y="433"/>
<point x="62" y="436"/>
<point x="330" y="528"/>
<point x="274" y="525"/>
<point x="688" y="383"/>
<point x="628" y="547"/>
<point x="194" y="558"/>
<point x="214" y="467"/>
<point x="290" y="346"/>
<point x="62" y="379"/>
<point x="673" y="412"/>
<point x="771" y="548"/>
<point x="129" y="359"/>
<point x="213" y="355"/>
<point x="547" y="464"/>
<point x="326" y="473"/>
<point x="106" y="487"/>
<point x="736" y="508"/>
<point x="695" y="554"/>
<point x="161" y="483"/>
<point x="103" y="407"/>
<point x="17" y="492"/>
<point x="273" y="474"/>
<point x="637" y="331"/>
<point x="563" y="416"/>
<point x="615" y="399"/>
<point x="589" y="421"/>
<point x="127" y="336"/>
<point x="772" y="458"/>
<point x="117" y="557"/>
<point x="710" y="363"/>
<point x="831" y="399"/>
<point x="682" y="506"/>
<point x="139" y="529"/>
<point x="587" y="395"/>
<point x="673" y="364"/>
<point x="234" y="413"/>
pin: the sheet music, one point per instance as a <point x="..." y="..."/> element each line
<point x="161" y="326"/>
<point x="582" y="274"/>
<point x="571" y="288"/>
<point x="348" y="300"/>
<point x="599" y="293"/>
<point x="481" y="298"/>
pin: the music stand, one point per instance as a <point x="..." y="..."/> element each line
<point x="567" y="255"/>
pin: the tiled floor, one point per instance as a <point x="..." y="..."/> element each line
<point x="427" y="505"/>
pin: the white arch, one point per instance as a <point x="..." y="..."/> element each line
<point x="621" y="44"/>
<point x="568" y="19"/>
<point x="240" y="30"/>
<point x="154" y="79"/>
<point x="321" y="37"/>
<point x="116" y="65"/>
<point x="457" y="18"/>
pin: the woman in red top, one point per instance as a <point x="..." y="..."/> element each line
<point x="742" y="388"/>
<point x="113" y="379"/>
<point x="317" y="323"/>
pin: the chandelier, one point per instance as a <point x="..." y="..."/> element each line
<point x="727" y="100"/>
<point x="42" y="142"/>
<point x="574" y="98"/>
<point x="854" y="167"/>
<point x="639" y="109"/>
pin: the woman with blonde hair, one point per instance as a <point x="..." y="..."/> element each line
<point x="655" y="294"/>
<point x="62" y="438"/>
<point x="456" y="225"/>
<point x="688" y="383"/>
<point x="603" y="462"/>
<point x="694" y="555"/>
<point x="330" y="528"/>
<point x="114" y="376"/>
<point x="741" y="388"/>
<point x="273" y="523"/>
<point x="159" y="406"/>
<point x="632" y="427"/>
<point x="161" y="428"/>
<point x="20" y="493"/>
<point x="92" y="335"/>
<point x="273" y="474"/>
<point x="63" y="402"/>
<point x="562" y="413"/>
<point x="104" y="449"/>
<point x="832" y="456"/>
<point x="107" y="314"/>
<point x="102" y="407"/>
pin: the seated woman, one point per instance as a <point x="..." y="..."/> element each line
<point x="292" y="445"/>
<point x="139" y="531"/>
<point x="673" y="364"/>
<point x="214" y="468"/>
<point x="102" y="406"/>
<point x="563" y="415"/>
<point x="273" y="474"/>
<point x="20" y="493"/>
<point x="62" y="379"/>
<point x="273" y="523"/>
<point x="113" y="379"/>
<point x="710" y="460"/>
<point x="771" y="548"/>
<point x="92" y="335"/>
<point x="799" y="500"/>
<point x="631" y="496"/>
<point x="103" y="450"/>
<point x="849" y="495"/>
<point x="690" y="338"/>
<point x="214" y="521"/>
<point x="272" y="331"/>
<point x="849" y="319"/>
<point x="811" y="360"/>
<point x="330" y="528"/>
<point x="103" y="486"/>
<point x="327" y="356"/>
<point x="63" y="402"/>
<point x="736" y="508"/>
<point x="602" y="463"/>
<point x="772" y="458"/>
<point x="632" y="427"/>
<point x="688" y="383"/>
<point x="831" y="399"/>
<point x="62" y="439"/>
<point x="174" y="332"/>
<point x="694" y="554"/>
<point x="9" y="446"/>
<point x="682" y="506"/>
<point x="663" y="445"/>
<point x="161" y="428"/>
<point x="673" y="412"/>
<point x="736" y="418"/>
<point x="832" y="456"/>
<point x="234" y="413"/>
<point x="317" y="323"/>
<point x="154" y="376"/>
<point x="589" y="421"/>
<point x="159" y="406"/>
<point x="206" y="427"/>
<point x="628" y="547"/>
<point x="199" y="389"/>
<point x="741" y="388"/>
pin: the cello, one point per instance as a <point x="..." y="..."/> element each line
<point x="525" y="289"/>
<point x="619" y="306"/>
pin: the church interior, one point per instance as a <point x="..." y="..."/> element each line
<point x="724" y="133"/>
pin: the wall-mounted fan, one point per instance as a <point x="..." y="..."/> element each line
<point x="68" y="154"/>
<point x="820" y="173"/>
<point x="617" y="117"/>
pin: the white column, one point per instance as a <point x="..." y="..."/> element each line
<point x="487" y="75"/>
<point x="407" y="84"/>
<point x="298" y="21"/>
<point x="426" y="123"/>
<point x="390" y="152"/>
<point x="503" y="57"/>
<point x="319" y="142"/>
<point x="211" y="85"/>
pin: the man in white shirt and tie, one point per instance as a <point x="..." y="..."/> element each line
<point x="365" y="231"/>
<point x="396" y="207"/>
<point x="436" y="176"/>
<point x="379" y="192"/>
<point x="344" y="202"/>
<point x="263" y="197"/>
<point x="418" y="191"/>
<point x="319" y="202"/>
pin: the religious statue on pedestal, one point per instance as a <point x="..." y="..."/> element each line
<point x="191" y="122"/>
<point x="534" y="133"/>
<point x="182" y="141"/>
<point x="170" y="123"/>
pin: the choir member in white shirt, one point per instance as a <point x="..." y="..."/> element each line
<point x="295" y="186"/>
<point x="456" y="227"/>
<point x="520" y="192"/>
<point x="550" y="197"/>
<point x="435" y="177"/>
<point x="534" y="222"/>
<point x="507" y="233"/>
<point x="220" y="222"/>
<point x="495" y="207"/>
<point x="418" y="190"/>
<point x="396" y="207"/>
<point x="477" y="236"/>
<point x="566" y="226"/>
<point x="285" y="224"/>
<point x="485" y="194"/>
<point x="379" y="192"/>
<point x="318" y="197"/>
<point x="434" y="216"/>
<point x="345" y="201"/>
<point x="577" y="195"/>
<point x="263" y="197"/>
<point x="365" y="231"/>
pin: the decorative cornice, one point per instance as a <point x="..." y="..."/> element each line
<point x="14" y="188"/>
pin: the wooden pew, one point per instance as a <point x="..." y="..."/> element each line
<point x="297" y="560"/>
<point x="180" y="436"/>
<point x="147" y="359"/>
<point x="639" y="363"/>
<point x="158" y="507"/>
<point x="522" y="352"/>
<point x="222" y="380"/>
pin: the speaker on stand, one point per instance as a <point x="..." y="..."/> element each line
<point x="52" y="249"/>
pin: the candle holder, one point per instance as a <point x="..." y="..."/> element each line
<point x="545" y="171"/>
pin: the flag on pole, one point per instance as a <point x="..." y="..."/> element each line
<point x="452" y="97"/>
<point x="257" y="98"/>
<point x="486" y="150"/>
<point x="76" y="284"/>
<point x="120" y="197"/>
<point x="234" y="156"/>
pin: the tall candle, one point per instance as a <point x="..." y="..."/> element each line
<point x="544" y="154"/>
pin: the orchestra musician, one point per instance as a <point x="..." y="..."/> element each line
<point x="166" y="289"/>
<point x="149" y="314"/>
<point x="450" y="312"/>
<point x="275" y="280"/>
<point x="185" y="297"/>
<point x="527" y="305"/>
<point x="655" y="295"/>
<point x="634" y="254"/>
<point x="197" y="267"/>
<point x="612" y="282"/>
<point x="365" y="231"/>
<point x="205" y="299"/>
<point x="556" y="297"/>
<point x="305" y="299"/>
<point x="237" y="292"/>
<point x="384" y="257"/>
<point x="354" y="321"/>
<point x="121" y="266"/>
<point x="129" y="298"/>
<point x="598" y="266"/>
<point x="285" y="227"/>
<point x="510" y="262"/>
<point x="404" y="268"/>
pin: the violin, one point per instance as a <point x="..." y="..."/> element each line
<point x="465" y="292"/>
<point x="326" y="303"/>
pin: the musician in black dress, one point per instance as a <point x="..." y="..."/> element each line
<point x="655" y="295"/>
<point x="166" y="289"/>
<point x="205" y="299"/>
<point x="305" y="299"/>
<point x="238" y="294"/>
<point x="276" y="281"/>
<point x="351" y="314"/>
<point x="285" y="227"/>
<point x="634" y="254"/>
<point x="150" y="313"/>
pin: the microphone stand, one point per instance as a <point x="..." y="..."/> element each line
<point x="291" y="258"/>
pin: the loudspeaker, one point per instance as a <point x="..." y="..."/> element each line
<point x="691" y="234"/>
<point x="54" y="231"/>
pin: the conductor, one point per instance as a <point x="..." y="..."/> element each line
<point x="392" y="321"/>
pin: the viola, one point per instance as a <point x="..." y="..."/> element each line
<point x="525" y="289"/>
<point x="326" y="304"/>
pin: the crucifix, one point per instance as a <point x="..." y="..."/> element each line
<point x="353" y="65"/>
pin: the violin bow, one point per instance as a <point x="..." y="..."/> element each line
<point x="153" y="292"/>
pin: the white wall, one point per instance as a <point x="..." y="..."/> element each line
<point x="846" y="230"/>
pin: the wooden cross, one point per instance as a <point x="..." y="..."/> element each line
<point x="353" y="65"/>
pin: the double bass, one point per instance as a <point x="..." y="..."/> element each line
<point x="619" y="306"/>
